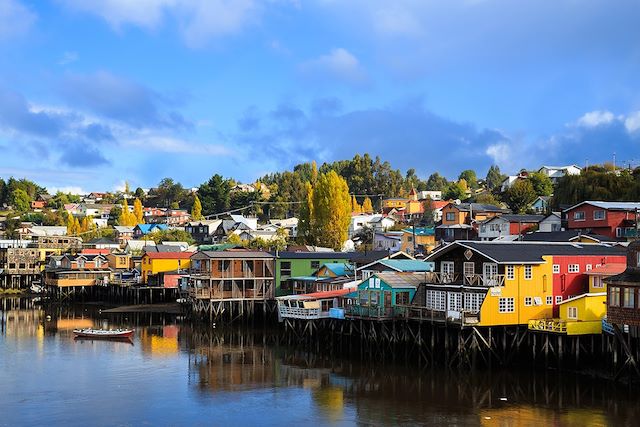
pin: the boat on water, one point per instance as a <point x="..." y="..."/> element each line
<point x="103" y="334"/>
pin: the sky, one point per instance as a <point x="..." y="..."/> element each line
<point x="96" y="93"/>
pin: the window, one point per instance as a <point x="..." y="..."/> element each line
<point x="629" y="298"/>
<point x="473" y="301"/>
<point x="558" y="299"/>
<point x="451" y="216"/>
<point x="598" y="215"/>
<point x="409" y="239"/>
<point x="506" y="305"/>
<point x="528" y="272"/>
<point x="597" y="282"/>
<point x="285" y="268"/>
<point x="402" y="298"/>
<point x="528" y="301"/>
<point x="556" y="268"/>
<point x="588" y="267"/>
<point x="511" y="272"/>
<point x="436" y="300"/>
<point x="315" y="265"/>
<point x="446" y="271"/>
<point x="614" y="296"/>
<point x="574" y="268"/>
<point x="454" y="301"/>
<point x="578" y="216"/>
<point x="449" y="233"/>
<point x="550" y="300"/>
<point x="572" y="312"/>
<point x="469" y="269"/>
<point x="618" y="232"/>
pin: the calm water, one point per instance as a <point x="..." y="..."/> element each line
<point x="173" y="374"/>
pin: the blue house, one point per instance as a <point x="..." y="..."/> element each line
<point x="396" y="265"/>
<point x="541" y="205"/>
<point x="382" y="294"/>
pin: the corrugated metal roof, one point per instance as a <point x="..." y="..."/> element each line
<point x="408" y="265"/>
<point x="401" y="280"/>
<point x="421" y="231"/>
<point x="607" y="269"/>
<point x="339" y="268"/>
<point x="624" y="206"/>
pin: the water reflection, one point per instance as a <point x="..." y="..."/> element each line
<point x="249" y="376"/>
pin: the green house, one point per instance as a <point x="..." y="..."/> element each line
<point x="297" y="264"/>
<point x="380" y="295"/>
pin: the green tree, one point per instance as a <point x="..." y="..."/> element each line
<point x="332" y="210"/>
<point x="470" y="178"/>
<point x="139" y="193"/>
<point x="436" y="182"/>
<point x="487" y="198"/>
<point x="20" y="200"/>
<point x="115" y="216"/>
<point x="454" y="191"/>
<point x="196" y="210"/>
<point x="170" y="235"/>
<point x="214" y="195"/>
<point x="494" y="178"/>
<point x="520" y="196"/>
<point x="542" y="184"/>
<point x="428" y="217"/>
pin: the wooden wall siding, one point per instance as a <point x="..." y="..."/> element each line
<point x="458" y="258"/>
<point x="623" y="315"/>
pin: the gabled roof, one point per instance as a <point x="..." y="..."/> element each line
<point x="338" y="268"/>
<point x="401" y="280"/>
<point x="587" y="295"/>
<point x="477" y="207"/>
<point x="516" y="218"/>
<point x="503" y="252"/>
<point x="239" y="254"/>
<point x="608" y="269"/>
<point x="147" y="228"/>
<point x="612" y="206"/>
<point x="405" y="265"/>
<point x="565" y="236"/>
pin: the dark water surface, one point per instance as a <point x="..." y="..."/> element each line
<point x="175" y="374"/>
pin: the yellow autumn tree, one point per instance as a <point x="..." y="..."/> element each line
<point x="127" y="218"/>
<point x="84" y="225"/>
<point x="367" y="207"/>
<point x="70" y="224"/>
<point x="76" y="227"/>
<point x="331" y="210"/>
<point x="138" y="212"/>
<point x="196" y="210"/>
<point x="355" y="207"/>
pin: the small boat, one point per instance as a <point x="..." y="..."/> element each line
<point x="103" y="334"/>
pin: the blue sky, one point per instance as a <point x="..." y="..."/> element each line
<point x="93" y="93"/>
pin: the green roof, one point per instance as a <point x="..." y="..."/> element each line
<point x="421" y="231"/>
<point x="339" y="268"/>
<point x="408" y="265"/>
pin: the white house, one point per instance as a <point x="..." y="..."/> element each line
<point x="390" y="241"/>
<point x="552" y="222"/>
<point x="433" y="195"/>
<point x="377" y="222"/>
<point x="557" y="172"/>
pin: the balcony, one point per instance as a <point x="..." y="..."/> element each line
<point x="301" y="313"/>
<point x="369" y="312"/>
<point x="479" y="280"/>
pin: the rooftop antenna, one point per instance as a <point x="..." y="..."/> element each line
<point x="614" y="161"/>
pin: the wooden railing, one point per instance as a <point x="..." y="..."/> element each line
<point x="369" y="312"/>
<point x="548" y="325"/>
<point x="482" y="280"/>
<point x="440" y="278"/>
<point x="301" y="313"/>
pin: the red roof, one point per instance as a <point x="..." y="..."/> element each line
<point x="608" y="269"/>
<point x="168" y="255"/>
<point x="96" y="251"/>
<point x="327" y="294"/>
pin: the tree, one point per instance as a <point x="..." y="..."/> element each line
<point x="171" y="235"/>
<point x="127" y="189"/>
<point x="307" y="217"/>
<point x="332" y="210"/>
<point x="520" y="196"/>
<point x="367" y="207"/>
<point x="470" y="177"/>
<point x="20" y="200"/>
<point x="169" y="192"/>
<point x="127" y="218"/>
<point x="196" y="210"/>
<point x="494" y="178"/>
<point x="214" y="195"/>
<point x="73" y="226"/>
<point x="234" y="239"/>
<point x="355" y="206"/>
<point x="175" y="205"/>
<point x="542" y="184"/>
<point x="115" y="216"/>
<point x="428" y="214"/>
<point x="436" y="182"/>
<point x="138" y="212"/>
<point x="487" y="198"/>
<point x="454" y="191"/>
<point x="139" y="193"/>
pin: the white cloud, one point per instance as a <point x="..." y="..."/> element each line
<point x="67" y="189"/>
<point x="199" y="21"/>
<point x="596" y="118"/>
<point x="394" y="20"/>
<point x="15" y="19"/>
<point x="339" y="64"/>
<point x="632" y="122"/>
<point x="176" y="145"/>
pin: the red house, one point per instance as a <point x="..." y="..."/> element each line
<point x="613" y="219"/>
<point x="569" y="271"/>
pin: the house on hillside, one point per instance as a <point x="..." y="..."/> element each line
<point x="459" y="221"/>
<point x="390" y="241"/>
<point x="540" y="206"/>
<point x="557" y="172"/>
<point x="122" y="234"/>
<point x="611" y="219"/>
<point x="552" y="222"/>
<point x="418" y="240"/>
<point x="508" y="226"/>
<point x="141" y="230"/>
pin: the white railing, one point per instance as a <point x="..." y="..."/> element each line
<point x="301" y="313"/>
<point x="482" y="280"/>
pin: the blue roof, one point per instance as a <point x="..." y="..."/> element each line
<point x="408" y="265"/>
<point x="339" y="268"/>
<point x="148" y="228"/>
<point x="421" y="231"/>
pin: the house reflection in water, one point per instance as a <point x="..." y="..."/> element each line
<point x="160" y="340"/>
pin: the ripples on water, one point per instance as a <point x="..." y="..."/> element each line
<point x="175" y="374"/>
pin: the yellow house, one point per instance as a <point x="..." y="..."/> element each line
<point x="491" y="283"/>
<point x="425" y="240"/>
<point x="119" y="261"/>
<point x="599" y="274"/>
<point x="394" y="202"/>
<point x="583" y="314"/>
<point x="162" y="262"/>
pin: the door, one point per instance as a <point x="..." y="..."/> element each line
<point x="454" y="305"/>
<point x="446" y="271"/>
<point x="490" y="274"/>
<point x="387" y="302"/>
